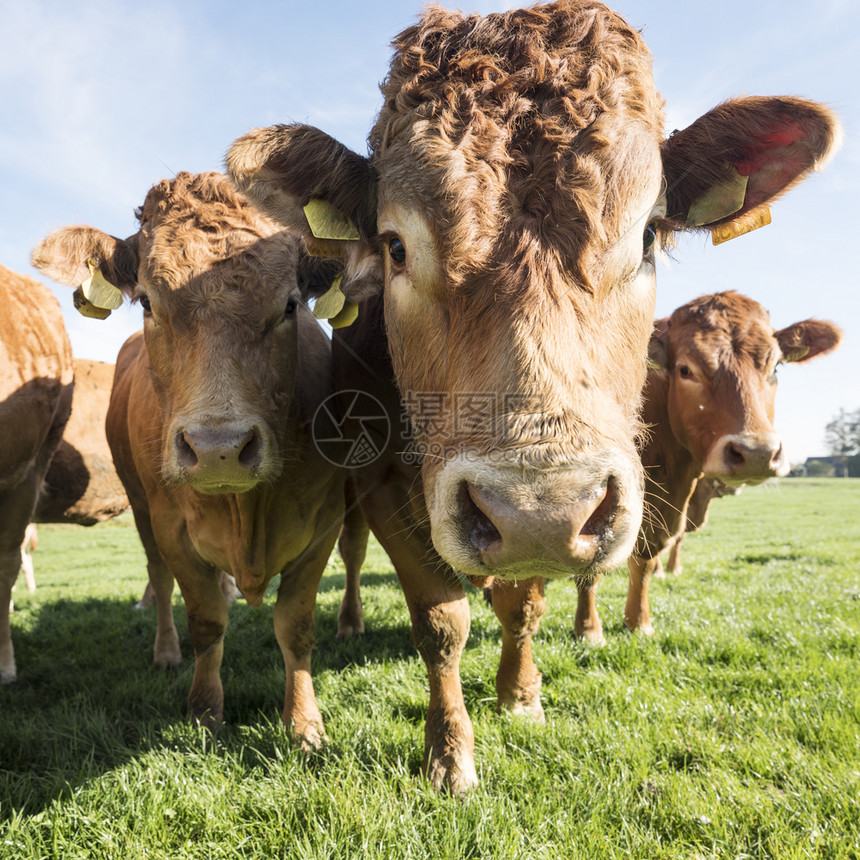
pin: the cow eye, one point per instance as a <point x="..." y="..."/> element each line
<point x="684" y="372"/>
<point x="397" y="251"/>
<point x="290" y="309"/>
<point x="144" y="303"/>
<point x="649" y="237"/>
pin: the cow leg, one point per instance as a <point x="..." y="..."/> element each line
<point x="294" y="630"/>
<point x="587" y="625"/>
<point x="439" y="611"/>
<point x="519" y="606"/>
<point x="637" y="613"/>
<point x="16" y="509"/>
<point x="352" y="546"/>
<point x="208" y="613"/>
<point x="10" y="563"/>
<point x="674" y="563"/>
<point x="159" y="591"/>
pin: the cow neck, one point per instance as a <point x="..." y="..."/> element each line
<point x="671" y="472"/>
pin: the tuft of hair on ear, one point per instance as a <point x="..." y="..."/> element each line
<point x="63" y="256"/>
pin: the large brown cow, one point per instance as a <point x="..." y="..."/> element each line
<point x="210" y="420"/>
<point x="505" y="225"/>
<point x="36" y="383"/>
<point x="82" y="485"/>
<point x="709" y="401"/>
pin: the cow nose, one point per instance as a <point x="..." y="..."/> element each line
<point x="753" y="457"/>
<point x="226" y="454"/>
<point x="569" y="536"/>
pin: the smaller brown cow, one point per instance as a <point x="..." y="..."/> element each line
<point x="709" y="401"/>
<point x="82" y="485"/>
<point x="210" y="420"/>
<point x="36" y="383"/>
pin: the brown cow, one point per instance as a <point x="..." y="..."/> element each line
<point x="36" y="383"/>
<point x="505" y="224"/>
<point x="709" y="401"/>
<point x="210" y="417"/>
<point x="82" y="485"/>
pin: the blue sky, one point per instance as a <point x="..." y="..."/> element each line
<point x="101" y="99"/>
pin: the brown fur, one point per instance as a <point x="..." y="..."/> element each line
<point x="514" y="167"/>
<point x="209" y="423"/>
<point x="82" y="485"/>
<point x="36" y="383"/>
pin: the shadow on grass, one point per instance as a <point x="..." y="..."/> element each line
<point x="88" y="699"/>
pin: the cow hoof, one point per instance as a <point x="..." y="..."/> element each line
<point x="167" y="661"/>
<point x="592" y="638"/>
<point x="643" y="630"/>
<point x="347" y="629"/>
<point x="8" y="675"/>
<point x="532" y="710"/>
<point x="457" y="778"/>
<point x="312" y="739"/>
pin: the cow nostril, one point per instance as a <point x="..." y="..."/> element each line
<point x="601" y="519"/>
<point x="250" y="454"/>
<point x="734" y="457"/>
<point x="777" y="457"/>
<point x="185" y="452"/>
<point x="483" y="535"/>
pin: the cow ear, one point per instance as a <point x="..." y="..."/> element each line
<point x="658" y="346"/>
<point x="308" y="181"/>
<point x="67" y="255"/>
<point x="805" y="340"/>
<point x="723" y="170"/>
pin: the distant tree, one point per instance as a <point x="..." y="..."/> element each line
<point x="842" y="435"/>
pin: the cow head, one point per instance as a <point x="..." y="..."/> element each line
<point x="718" y="356"/>
<point x="220" y="286"/>
<point x="517" y="190"/>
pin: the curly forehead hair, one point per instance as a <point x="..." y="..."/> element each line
<point x="566" y="62"/>
<point x="525" y="110"/>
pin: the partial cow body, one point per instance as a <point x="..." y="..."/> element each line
<point x="82" y="485"/>
<point x="210" y="418"/>
<point x="36" y="383"/>
<point x="505" y="224"/>
<point x="709" y="404"/>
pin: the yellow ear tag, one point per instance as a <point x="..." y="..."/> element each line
<point x="326" y="222"/>
<point x="98" y="291"/>
<point x="86" y="308"/>
<point x="758" y="217"/>
<point x="346" y="317"/>
<point x="330" y="303"/>
<point x="721" y="200"/>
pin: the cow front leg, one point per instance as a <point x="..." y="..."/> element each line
<point x="294" y="630"/>
<point x="352" y="546"/>
<point x="637" y="612"/>
<point x="587" y="625"/>
<point x="208" y="614"/>
<point x="519" y="606"/>
<point x="440" y="626"/>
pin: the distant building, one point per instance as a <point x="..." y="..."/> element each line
<point x="821" y="467"/>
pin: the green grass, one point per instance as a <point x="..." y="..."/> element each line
<point x="733" y="732"/>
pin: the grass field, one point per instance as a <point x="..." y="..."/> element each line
<point x="733" y="732"/>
